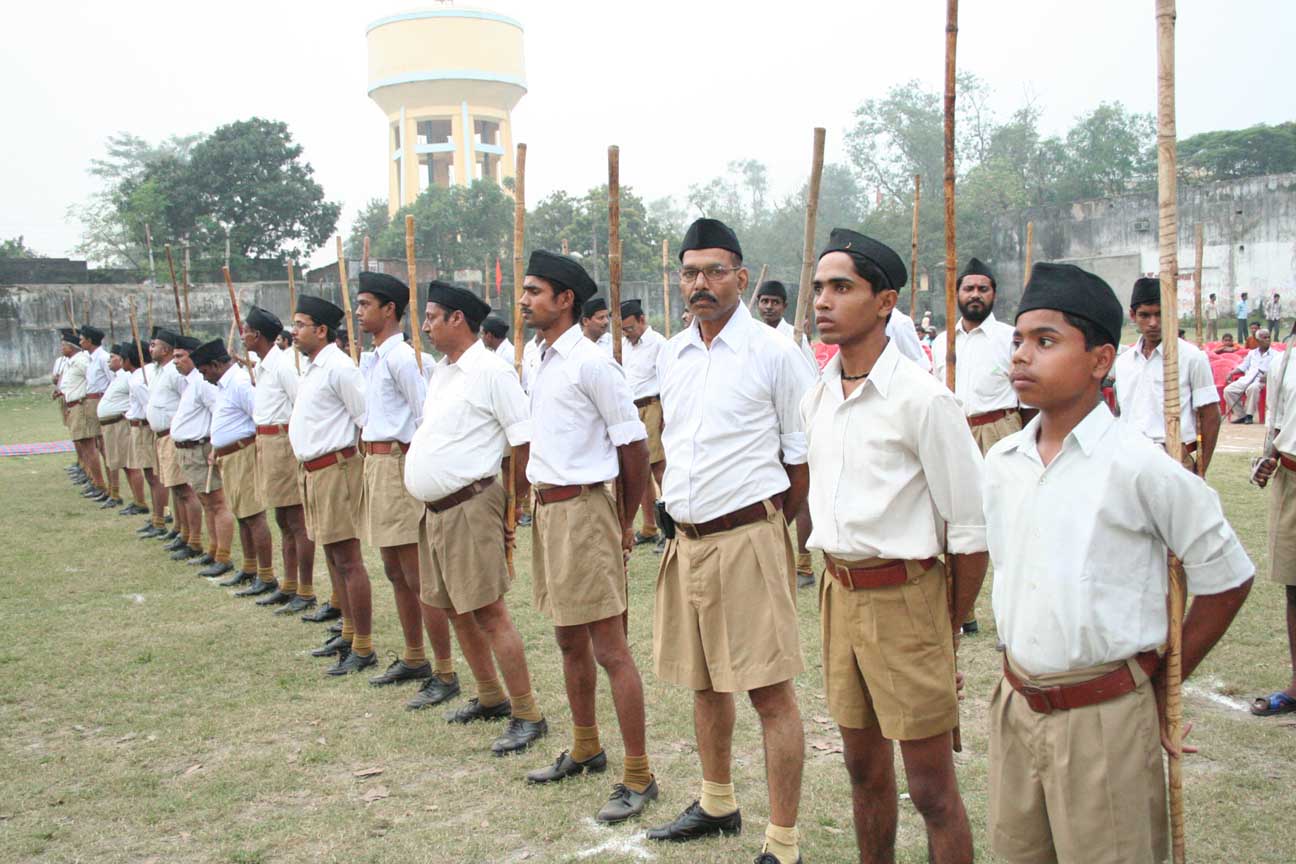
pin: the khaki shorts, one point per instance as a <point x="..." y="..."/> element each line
<point x="578" y="573"/>
<point x="888" y="655"/>
<point x="1081" y="785"/>
<point x="116" y="443"/>
<point x="389" y="514"/>
<point x="201" y="476"/>
<point x="989" y="434"/>
<point x="239" y="472"/>
<point x="277" y="470"/>
<point x="725" y="616"/>
<point x="83" y="420"/>
<point x="651" y="415"/>
<point x="143" y="448"/>
<point x="169" y="463"/>
<point x="462" y="565"/>
<point x="331" y="499"/>
<point x="1282" y="527"/>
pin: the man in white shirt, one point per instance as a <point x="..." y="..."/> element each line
<point x="144" y="445"/>
<point x="900" y="330"/>
<point x="132" y="418"/>
<point x="111" y="413"/>
<point x="475" y="409"/>
<point x="1140" y="382"/>
<point x="725" y="616"/>
<point x="1273" y="313"/>
<point x="1212" y="319"/>
<point x="585" y="431"/>
<point x="323" y="428"/>
<point x="895" y="481"/>
<point x="163" y="399"/>
<point x="83" y="417"/>
<point x="1081" y="512"/>
<point x="1247" y="380"/>
<point x="1242" y="311"/>
<point x="494" y="335"/>
<point x="55" y="373"/>
<point x="641" y="345"/>
<point x="595" y="321"/>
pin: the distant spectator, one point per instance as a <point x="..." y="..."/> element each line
<point x="1243" y="312"/>
<point x="1212" y="319"/>
<point x="1242" y="394"/>
<point x="1251" y="341"/>
<point x="1273" y="313"/>
<point x="1227" y="345"/>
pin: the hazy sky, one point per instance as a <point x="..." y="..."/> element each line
<point x="652" y="77"/>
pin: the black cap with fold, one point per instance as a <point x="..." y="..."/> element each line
<point x="1068" y="289"/>
<point x="857" y="246"/>
<point x="710" y="234"/>
<point x="563" y="271"/>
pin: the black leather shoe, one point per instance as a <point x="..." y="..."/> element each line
<point x="110" y="503"/>
<point x="168" y="536"/>
<point x="524" y="521"/>
<point x="769" y="858"/>
<point x="519" y="735"/>
<point x="257" y="587"/>
<point x="132" y="509"/>
<point x="970" y="628"/>
<point x="238" y="578"/>
<point x="474" y="711"/>
<point x="150" y="533"/>
<point x="565" y="766"/>
<point x="184" y="553"/>
<point x="331" y="647"/>
<point x="147" y="528"/>
<point x="297" y="604"/>
<point x="400" y="671"/>
<point x="175" y="544"/>
<point x="335" y="629"/>
<point x="324" y="612"/>
<point x="353" y="662"/>
<point x="202" y="560"/>
<point x="625" y="802"/>
<point x="805" y="580"/>
<point x="695" y="823"/>
<point x="435" y="691"/>
<point x="216" y="568"/>
<point x="276" y="597"/>
<point x="99" y="497"/>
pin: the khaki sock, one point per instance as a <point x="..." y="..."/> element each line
<point x="305" y="590"/>
<point x="196" y="544"/>
<point x="585" y="742"/>
<point x="490" y="693"/>
<point x="718" y="798"/>
<point x="249" y="564"/>
<point x="211" y="550"/>
<point x="223" y="556"/>
<point x="265" y="574"/>
<point x="803" y="564"/>
<point x="158" y="520"/>
<point x="288" y="585"/>
<point x="415" y="655"/>
<point x="525" y="707"/>
<point x="114" y="489"/>
<point x="444" y="668"/>
<point x="635" y="774"/>
<point x="362" y="643"/>
<point x="333" y="601"/>
<point x="782" y="843"/>
<point x="348" y="630"/>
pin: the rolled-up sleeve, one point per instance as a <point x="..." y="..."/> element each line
<point x="1187" y="514"/>
<point x="349" y="385"/>
<point x="411" y="384"/>
<point x="792" y="380"/>
<point x="955" y="474"/>
<point x="1201" y="382"/>
<point x="606" y="386"/>
<point x="509" y="404"/>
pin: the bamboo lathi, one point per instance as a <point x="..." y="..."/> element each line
<point x="951" y="278"/>
<point x="764" y="271"/>
<point x="808" y="238"/>
<point x="175" y="287"/>
<point x="411" y="268"/>
<point x="519" y="240"/>
<point x="1199" y="244"/>
<point x="352" y="346"/>
<point x="238" y="323"/>
<point x="292" y="310"/>
<point x="1030" y="251"/>
<point x="913" y="249"/>
<point x="139" y="347"/>
<point x="666" y="304"/>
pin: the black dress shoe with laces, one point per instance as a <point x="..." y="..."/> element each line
<point x="332" y="646"/>
<point x="215" y="568"/>
<point x="202" y="560"/>
<point x="132" y="509"/>
<point x="335" y="629"/>
<point x="970" y="628"/>
<point x="353" y="662"/>
<point x="175" y="544"/>
<point x="519" y="735"/>
<point x="297" y="604"/>
<point x="184" y="553"/>
<point x="770" y="858"/>
<point x="110" y="503"/>
<point x="278" y="597"/>
<point x="474" y="711"/>
<point x="433" y="692"/>
<point x="257" y="587"/>
<point x="324" y="612"/>
<point x="625" y="802"/>
<point x="238" y="578"/>
<point x="565" y="766"/>
<point x="400" y="671"/>
<point x="695" y="823"/>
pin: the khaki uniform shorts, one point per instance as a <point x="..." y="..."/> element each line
<point x="462" y="565"/>
<point x="239" y="472"/>
<point x="1081" y="785"/>
<point x="725" y="615"/>
<point x="204" y="478"/>
<point x="169" y="463"/>
<point x="1282" y="527"/>
<point x="989" y="434"/>
<point x="277" y="470"/>
<point x="116" y="443"/>
<point x="651" y="415"/>
<point x="83" y="420"/>
<point x="143" y="448"/>
<point x="389" y="514"/>
<point x="331" y="499"/>
<point x="578" y="574"/>
<point x="888" y="655"/>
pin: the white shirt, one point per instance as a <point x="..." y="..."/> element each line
<point x="330" y="404"/>
<point x="891" y="466"/>
<point x="901" y="331"/>
<point x="165" y="387"/>
<point x="505" y="351"/>
<point x="233" y="406"/>
<point x="731" y="417"/>
<point x="640" y="362"/>
<point x="116" y="398"/>
<point x="1281" y="405"/>
<point x="276" y="388"/>
<point x="475" y="408"/>
<point x="1079" y="548"/>
<point x="1273" y="311"/>
<point x="139" y="392"/>
<point x="59" y="362"/>
<point x="73" y="381"/>
<point x="192" y="420"/>
<point x="394" y="393"/>
<point x="99" y="374"/>
<point x="984" y="361"/>
<point x="530" y="361"/>
<point x="605" y="341"/>
<point x="581" y="411"/>
<point x="1212" y="310"/>
<point x="789" y="331"/>
<point x="1140" y="389"/>
<point x="1254" y="365"/>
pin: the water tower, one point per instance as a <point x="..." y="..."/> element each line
<point x="447" y="79"/>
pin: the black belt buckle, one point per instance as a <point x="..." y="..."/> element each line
<point x="664" y="520"/>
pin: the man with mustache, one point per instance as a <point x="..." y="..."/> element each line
<point x="595" y="321"/>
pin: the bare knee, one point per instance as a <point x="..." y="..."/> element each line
<point x="775" y="702"/>
<point x="935" y="799"/>
<point x="572" y="641"/>
<point x="489" y="618"/>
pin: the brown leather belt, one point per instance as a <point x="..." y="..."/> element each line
<point x="738" y="518"/>
<point x="647" y="400"/>
<point x="329" y="459"/>
<point x="235" y="447"/>
<point x="73" y="404"/>
<point x="1065" y="697"/>
<point x="94" y="396"/>
<point x="382" y="448"/>
<point x="555" y="494"/>
<point x="1190" y="447"/>
<point x="276" y="429"/>
<point x="1287" y="462"/>
<point x="111" y="420"/>
<point x="989" y="417"/>
<point x="886" y="575"/>
<point x="189" y="445"/>
<point x="454" y="499"/>
<point x="137" y="423"/>
<point x="164" y="433"/>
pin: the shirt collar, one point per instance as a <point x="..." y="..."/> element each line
<point x="472" y="357"/>
<point x="230" y="374"/>
<point x="986" y="324"/>
<point x="735" y="333"/>
<point x="879" y="376"/>
<point x="565" y="343"/>
<point x="1087" y="433"/>
<point x="389" y="344"/>
<point x="322" y="355"/>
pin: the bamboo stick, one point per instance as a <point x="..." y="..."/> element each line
<point x="519" y="240"/>
<point x="150" y="315"/>
<point x="614" y="247"/>
<point x="139" y="347"/>
<point x="1030" y="251"/>
<point x="292" y="310"/>
<point x="188" y="316"/>
<point x="1199" y="241"/>
<point x="148" y="239"/>
<point x="346" y="303"/>
<point x="238" y="321"/>
<point x="751" y="304"/>
<point x="951" y="271"/>
<point x="411" y="267"/>
<point x="666" y="285"/>
<point x="808" y="240"/>
<point x="913" y="249"/>
<point x="175" y="288"/>
<point x="364" y="265"/>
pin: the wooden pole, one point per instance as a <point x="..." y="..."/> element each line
<point x="519" y="271"/>
<point x="411" y="266"/>
<point x="951" y="273"/>
<point x="112" y="328"/>
<point x="751" y="304"/>
<point x="1168" y="243"/>
<point x="238" y="321"/>
<point x="346" y="303"/>
<point x="364" y="265"/>
<point x="150" y="315"/>
<point x="808" y="240"/>
<point x="148" y="238"/>
<point x="1199" y="240"/>
<point x="71" y="311"/>
<point x="139" y="347"/>
<point x="913" y="249"/>
<point x="364" y="255"/>
<point x="292" y="309"/>
<point x="666" y="285"/>
<point x="188" y="316"/>
<point x="175" y="287"/>
<point x="614" y="247"/>
<point x="1030" y="251"/>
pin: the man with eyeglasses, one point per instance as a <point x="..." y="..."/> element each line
<point x="595" y="321"/>
<point x="725" y="620"/>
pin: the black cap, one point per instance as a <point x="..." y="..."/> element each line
<point x="170" y="337"/>
<point x="451" y="298"/>
<point x="977" y="267"/>
<point x="710" y="234"/>
<point x="772" y="288"/>
<point x="495" y="326"/>
<point x="70" y="336"/>
<point x="1146" y="290"/>
<point x="321" y="311"/>
<point x="131" y="355"/>
<point x="563" y="271"/>
<point x="209" y="352"/>
<point x="593" y="306"/>
<point x="386" y="288"/>
<point x="94" y="334"/>
<point x="265" y="323"/>
<point x="119" y="349"/>
<point x="287" y="334"/>
<point x="1066" y="288"/>
<point x="632" y="308"/>
<point x="187" y="343"/>
<point x="879" y="254"/>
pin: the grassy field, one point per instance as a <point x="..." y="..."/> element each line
<point x="148" y="716"/>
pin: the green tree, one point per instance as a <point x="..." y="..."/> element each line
<point x="370" y="221"/>
<point x="458" y="228"/>
<point x="1108" y="152"/>
<point x="1226" y="154"/>
<point x="16" y="248"/>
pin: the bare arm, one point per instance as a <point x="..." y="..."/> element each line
<point x="633" y="459"/>
<point x="799" y="478"/>
<point x="969" y="572"/>
<point x="1208" y="426"/>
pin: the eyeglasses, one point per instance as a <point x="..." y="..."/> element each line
<point x="712" y="274"/>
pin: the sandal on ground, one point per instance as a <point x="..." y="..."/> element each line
<point x="1273" y="705"/>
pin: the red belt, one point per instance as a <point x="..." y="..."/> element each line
<point x="276" y="429"/>
<point x="137" y="423"/>
<point x="189" y="445"/>
<point x="329" y="459"/>
<point x="1287" y="462"/>
<point x="67" y="404"/>
<point x="1104" y="688"/>
<point x="454" y="499"/>
<point x="555" y="494"/>
<point x="382" y="448"/>
<point x="111" y="420"/>
<point x="738" y="518"/>
<point x="647" y="400"/>
<point x="235" y="447"/>
<point x="164" y="433"/>
<point x="94" y="396"/>
<point x="885" y="575"/>
<point x="989" y="417"/>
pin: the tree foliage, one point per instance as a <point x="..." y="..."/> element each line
<point x="16" y="248"/>
<point x="1231" y="153"/>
